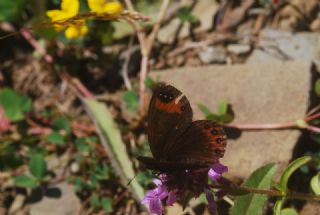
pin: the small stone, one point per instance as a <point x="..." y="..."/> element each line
<point x="315" y="25"/>
<point x="213" y="54"/>
<point x="238" y="49"/>
<point x="59" y="200"/>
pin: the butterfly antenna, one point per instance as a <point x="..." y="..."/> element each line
<point x="131" y="179"/>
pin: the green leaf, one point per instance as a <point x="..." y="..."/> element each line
<point x="132" y="100"/>
<point x="38" y="166"/>
<point x="82" y="145"/>
<point x="278" y="206"/>
<point x="184" y="14"/>
<point x="149" y="82"/>
<point x="114" y="144"/>
<point x="103" y="172"/>
<point x="61" y="123"/>
<point x="291" y="168"/>
<point x="15" y="105"/>
<point x="10" y="10"/>
<point x="317" y="87"/>
<point x="252" y="204"/>
<point x="107" y="204"/>
<point x="315" y="184"/>
<point x="226" y="114"/>
<point x="213" y="117"/>
<point x="289" y="211"/>
<point x="25" y="181"/>
<point x="56" y="138"/>
<point x="204" y="109"/>
<point x="94" y="201"/>
<point x="223" y="108"/>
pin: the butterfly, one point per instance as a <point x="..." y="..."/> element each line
<point x="176" y="142"/>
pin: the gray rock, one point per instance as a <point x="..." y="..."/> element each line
<point x="204" y="10"/>
<point x="259" y="93"/>
<point x="213" y="54"/>
<point x="279" y="46"/>
<point x="65" y="204"/>
<point x="239" y="49"/>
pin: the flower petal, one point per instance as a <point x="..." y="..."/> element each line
<point x="216" y="171"/>
<point x="155" y="206"/>
<point x="172" y="197"/>
<point x="212" y="206"/>
<point x="70" y="7"/>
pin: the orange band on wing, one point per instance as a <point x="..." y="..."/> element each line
<point x="170" y="107"/>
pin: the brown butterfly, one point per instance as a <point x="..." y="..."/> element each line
<point x="177" y="142"/>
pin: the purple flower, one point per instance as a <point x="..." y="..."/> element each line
<point x="153" y="198"/>
<point x="178" y="185"/>
<point x="216" y="171"/>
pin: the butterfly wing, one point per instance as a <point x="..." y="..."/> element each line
<point x="169" y="116"/>
<point x="200" y="146"/>
<point x="203" y="142"/>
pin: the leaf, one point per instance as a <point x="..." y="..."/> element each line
<point x="94" y="201"/>
<point x="149" y="82"/>
<point x="289" y="211"/>
<point x="317" y="87"/>
<point x="132" y="100"/>
<point x="38" y="166"/>
<point x="252" y="204"/>
<point x="56" y="138"/>
<point x="315" y="184"/>
<point x="82" y="145"/>
<point x="10" y="10"/>
<point x="223" y="108"/>
<point x="15" y="105"/>
<point x="61" y="123"/>
<point x="204" y="109"/>
<point x="291" y="168"/>
<point x="114" y="145"/>
<point x="25" y="181"/>
<point x="184" y="14"/>
<point x="226" y="113"/>
<point x="107" y="205"/>
<point x="278" y="206"/>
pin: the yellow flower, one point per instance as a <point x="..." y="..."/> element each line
<point x="101" y="6"/>
<point x="76" y="31"/>
<point x="69" y="9"/>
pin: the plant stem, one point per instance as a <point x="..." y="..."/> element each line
<point x="283" y="125"/>
<point x="230" y="186"/>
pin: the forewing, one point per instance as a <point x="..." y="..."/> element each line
<point x="203" y="142"/>
<point x="169" y="116"/>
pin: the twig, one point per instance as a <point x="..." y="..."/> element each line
<point x="146" y="43"/>
<point x="300" y="123"/>
<point x="125" y="66"/>
<point x="34" y="43"/>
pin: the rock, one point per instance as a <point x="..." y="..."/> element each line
<point x="213" y="54"/>
<point x="279" y="46"/>
<point x="259" y="93"/>
<point x="310" y="208"/>
<point x="66" y="203"/>
<point x="204" y="10"/>
<point x="239" y="49"/>
<point x="315" y="25"/>
<point x="167" y="33"/>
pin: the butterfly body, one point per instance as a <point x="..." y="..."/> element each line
<point x="177" y="142"/>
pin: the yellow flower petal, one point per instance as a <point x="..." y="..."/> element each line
<point x="70" y="7"/>
<point x="102" y="6"/>
<point x="113" y="8"/>
<point x="76" y="31"/>
<point x="96" y="5"/>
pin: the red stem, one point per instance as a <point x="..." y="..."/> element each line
<point x="27" y="35"/>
